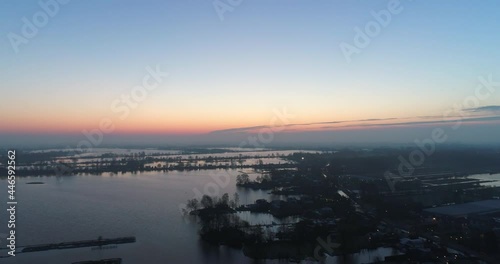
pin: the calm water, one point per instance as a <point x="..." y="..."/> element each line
<point x="493" y="179"/>
<point x="144" y="205"/>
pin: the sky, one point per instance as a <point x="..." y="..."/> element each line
<point x="218" y="71"/>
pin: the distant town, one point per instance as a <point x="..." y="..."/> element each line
<point x="435" y="215"/>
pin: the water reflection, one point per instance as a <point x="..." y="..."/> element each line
<point x="145" y="205"/>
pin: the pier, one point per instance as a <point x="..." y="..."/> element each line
<point x="78" y="244"/>
<point x="102" y="261"/>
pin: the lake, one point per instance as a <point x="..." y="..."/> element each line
<point x="144" y="205"/>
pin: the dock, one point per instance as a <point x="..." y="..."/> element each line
<point x="78" y="244"/>
<point x="102" y="261"/>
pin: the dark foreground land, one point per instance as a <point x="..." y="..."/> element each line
<point x="348" y="200"/>
<point x="422" y="204"/>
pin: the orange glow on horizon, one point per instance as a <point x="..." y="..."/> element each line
<point x="196" y="125"/>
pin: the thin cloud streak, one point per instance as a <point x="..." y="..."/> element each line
<point x="474" y="119"/>
<point x="247" y="129"/>
<point x="489" y="109"/>
<point x="326" y="128"/>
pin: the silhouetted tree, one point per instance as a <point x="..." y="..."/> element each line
<point x="207" y="201"/>
<point x="242" y="179"/>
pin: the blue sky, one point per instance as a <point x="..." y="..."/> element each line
<point x="233" y="72"/>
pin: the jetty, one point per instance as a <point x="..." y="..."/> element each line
<point x="78" y="244"/>
<point x="102" y="261"/>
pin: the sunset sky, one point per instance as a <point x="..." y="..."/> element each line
<point x="262" y="57"/>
